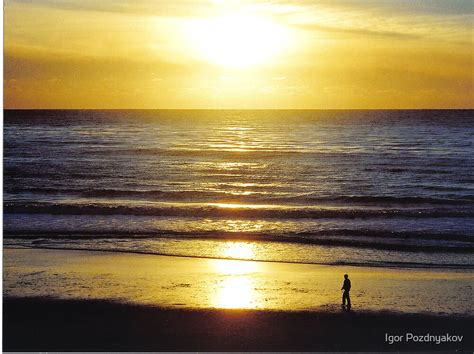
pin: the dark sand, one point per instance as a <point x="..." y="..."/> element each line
<point x="41" y="324"/>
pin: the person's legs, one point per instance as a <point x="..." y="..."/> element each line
<point x="348" y="300"/>
<point x="344" y="296"/>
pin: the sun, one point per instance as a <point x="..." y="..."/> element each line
<point x="238" y="40"/>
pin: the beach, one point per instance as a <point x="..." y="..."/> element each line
<point x="76" y="300"/>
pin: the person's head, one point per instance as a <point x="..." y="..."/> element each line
<point x="346" y="276"/>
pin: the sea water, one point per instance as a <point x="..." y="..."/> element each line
<point x="362" y="187"/>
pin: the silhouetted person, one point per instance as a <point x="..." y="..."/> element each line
<point x="346" y="286"/>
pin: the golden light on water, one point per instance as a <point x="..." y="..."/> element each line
<point x="238" y="250"/>
<point x="237" y="288"/>
<point x="239" y="206"/>
<point x="234" y="267"/>
<point x="242" y="226"/>
<point x="236" y="292"/>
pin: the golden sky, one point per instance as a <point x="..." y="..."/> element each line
<point x="238" y="54"/>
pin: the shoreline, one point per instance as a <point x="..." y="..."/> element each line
<point x="389" y="265"/>
<point x="45" y="324"/>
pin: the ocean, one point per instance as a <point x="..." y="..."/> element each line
<point x="388" y="188"/>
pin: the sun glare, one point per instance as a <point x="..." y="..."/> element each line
<point x="238" y="250"/>
<point x="235" y="292"/>
<point x="238" y="40"/>
<point x="237" y="287"/>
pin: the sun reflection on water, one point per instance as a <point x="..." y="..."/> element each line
<point x="236" y="292"/>
<point x="236" y="289"/>
<point x="231" y="267"/>
<point x="239" y="206"/>
<point x="240" y="226"/>
<point x="238" y="250"/>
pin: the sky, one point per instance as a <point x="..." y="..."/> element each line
<point x="184" y="54"/>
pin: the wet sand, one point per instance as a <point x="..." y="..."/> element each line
<point x="211" y="283"/>
<point x="76" y="301"/>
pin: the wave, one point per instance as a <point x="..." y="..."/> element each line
<point x="118" y="234"/>
<point x="257" y="194"/>
<point x="399" y="200"/>
<point x="233" y="211"/>
<point x="381" y="264"/>
<point x="224" y="152"/>
<point x="448" y="188"/>
<point x="401" y="241"/>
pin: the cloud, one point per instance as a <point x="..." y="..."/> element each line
<point x="413" y="7"/>
<point x="356" y="31"/>
<point x="384" y="19"/>
<point x="121" y="53"/>
<point x="36" y="63"/>
<point x="181" y="8"/>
